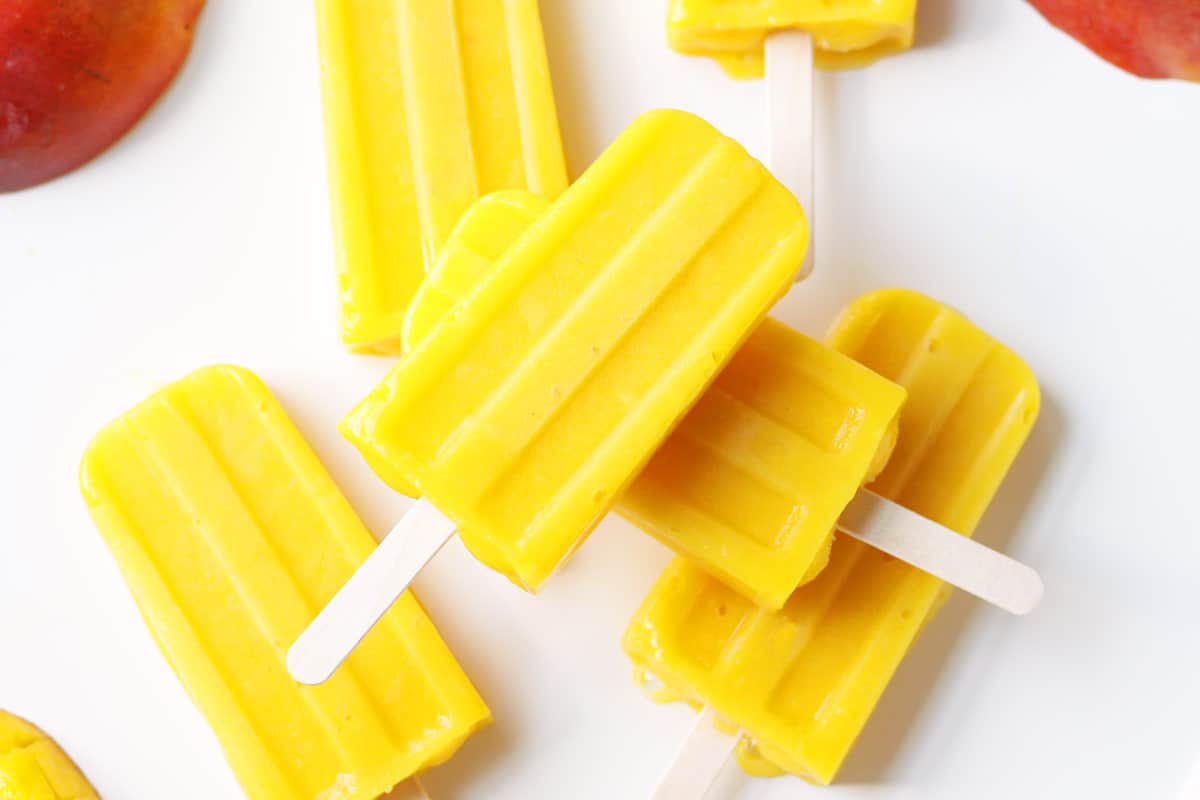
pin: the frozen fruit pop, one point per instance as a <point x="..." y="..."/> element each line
<point x="845" y="33"/>
<point x="525" y="413"/>
<point x="802" y="682"/>
<point x="34" y="767"/>
<point x="428" y="105"/>
<point x="752" y="482"/>
<point x="756" y="476"/>
<point x="230" y="535"/>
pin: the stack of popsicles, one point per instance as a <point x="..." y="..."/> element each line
<point x="566" y="352"/>
<point x="801" y="681"/>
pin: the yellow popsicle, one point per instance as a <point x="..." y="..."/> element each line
<point x="34" y="767"/>
<point x="230" y="535"/>
<point x="751" y="483"/>
<point x="524" y="414"/>
<point x="428" y="105"/>
<point x="802" y="682"/>
<point x="846" y="33"/>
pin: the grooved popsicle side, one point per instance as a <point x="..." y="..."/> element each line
<point x="231" y="536"/>
<point x="803" y="681"/>
<point x="377" y="240"/>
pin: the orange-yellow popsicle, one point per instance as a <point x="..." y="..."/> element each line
<point x="230" y="535"/>
<point x="428" y="105"/>
<point x="752" y="482"/>
<point x="524" y="414"/>
<point x="802" y="682"/>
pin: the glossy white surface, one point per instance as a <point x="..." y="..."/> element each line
<point x="999" y="166"/>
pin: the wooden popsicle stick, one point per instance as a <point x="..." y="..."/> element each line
<point x="789" y="71"/>
<point x="411" y="789"/>
<point x="943" y="553"/>
<point x="699" y="761"/>
<point x="369" y="593"/>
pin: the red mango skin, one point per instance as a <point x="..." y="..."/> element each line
<point x="75" y="75"/>
<point x="1149" y="38"/>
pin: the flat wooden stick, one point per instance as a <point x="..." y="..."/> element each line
<point x="943" y="553"/>
<point x="369" y="593"/>
<point x="699" y="761"/>
<point x="790" y="139"/>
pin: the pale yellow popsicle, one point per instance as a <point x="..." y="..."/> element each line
<point x="428" y="105"/>
<point x="230" y="535"/>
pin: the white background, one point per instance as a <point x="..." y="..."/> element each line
<point x="998" y="166"/>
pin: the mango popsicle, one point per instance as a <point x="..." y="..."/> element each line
<point x="34" y="767"/>
<point x="523" y="416"/>
<point x="230" y="534"/>
<point x="526" y="412"/>
<point x="845" y="33"/>
<point x="752" y="482"/>
<point x="802" y="682"/>
<point x="428" y="105"/>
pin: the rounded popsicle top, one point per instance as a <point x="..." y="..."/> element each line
<point x="90" y="467"/>
<point x="857" y="319"/>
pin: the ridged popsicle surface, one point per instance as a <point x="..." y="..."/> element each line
<point x="802" y="682"/>
<point x="231" y="536"/>
<point x="525" y="413"/>
<point x="428" y="104"/>
<point x="751" y="483"/>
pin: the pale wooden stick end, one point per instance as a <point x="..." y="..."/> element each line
<point x="989" y="575"/>
<point x="699" y="761"/>
<point x="369" y="593"/>
<point x="790" y="123"/>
